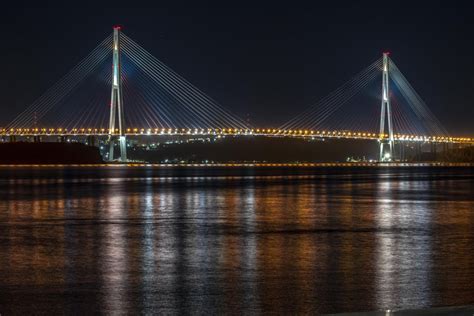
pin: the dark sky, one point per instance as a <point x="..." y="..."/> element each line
<point x="265" y="59"/>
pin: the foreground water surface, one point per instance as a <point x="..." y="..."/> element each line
<point x="232" y="240"/>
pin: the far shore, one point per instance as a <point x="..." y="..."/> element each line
<point x="246" y="165"/>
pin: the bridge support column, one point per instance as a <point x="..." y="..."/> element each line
<point x="12" y="138"/>
<point x="37" y="139"/>
<point x="91" y="140"/>
<point x="402" y="151"/>
<point x="434" y="150"/>
<point x="123" y="148"/>
<point x="386" y="115"/>
<point x="116" y="103"/>
<point x="418" y="151"/>
<point x="62" y="139"/>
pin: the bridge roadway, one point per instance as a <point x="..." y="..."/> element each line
<point x="62" y="132"/>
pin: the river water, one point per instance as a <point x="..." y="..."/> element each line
<point x="234" y="240"/>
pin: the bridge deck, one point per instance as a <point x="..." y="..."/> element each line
<point x="230" y="132"/>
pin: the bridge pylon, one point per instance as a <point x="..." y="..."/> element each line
<point x="116" y="102"/>
<point x="386" y="115"/>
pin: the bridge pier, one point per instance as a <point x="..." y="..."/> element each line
<point x="386" y="156"/>
<point x="123" y="148"/>
<point x="91" y="140"/>
<point x="434" y="150"/>
<point x="62" y="139"/>
<point x="418" y="150"/>
<point x="36" y="139"/>
<point x="122" y="142"/>
<point x="402" y="151"/>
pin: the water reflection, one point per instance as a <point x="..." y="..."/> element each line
<point x="114" y="247"/>
<point x="408" y="249"/>
<point x="127" y="240"/>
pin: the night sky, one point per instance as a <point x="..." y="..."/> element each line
<point x="265" y="60"/>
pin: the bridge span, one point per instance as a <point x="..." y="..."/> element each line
<point x="268" y="132"/>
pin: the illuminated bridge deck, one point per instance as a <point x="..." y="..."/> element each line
<point x="30" y="132"/>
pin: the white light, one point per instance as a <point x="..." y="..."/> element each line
<point x="387" y="156"/>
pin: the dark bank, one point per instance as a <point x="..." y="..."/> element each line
<point x="48" y="153"/>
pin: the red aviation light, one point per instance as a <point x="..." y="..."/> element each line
<point x="117" y="27"/>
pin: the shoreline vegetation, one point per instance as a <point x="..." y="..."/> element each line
<point x="23" y="153"/>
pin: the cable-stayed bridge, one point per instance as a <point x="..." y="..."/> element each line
<point x="120" y="89"/>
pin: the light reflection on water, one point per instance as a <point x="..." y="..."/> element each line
<point x="240" y="240"/>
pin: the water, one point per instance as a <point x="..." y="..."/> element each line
<point x="231" y="240"/>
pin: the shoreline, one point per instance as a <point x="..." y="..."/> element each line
<point x="245" y="165"/>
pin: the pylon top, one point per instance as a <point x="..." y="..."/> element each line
<point x="117" y="27"/>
